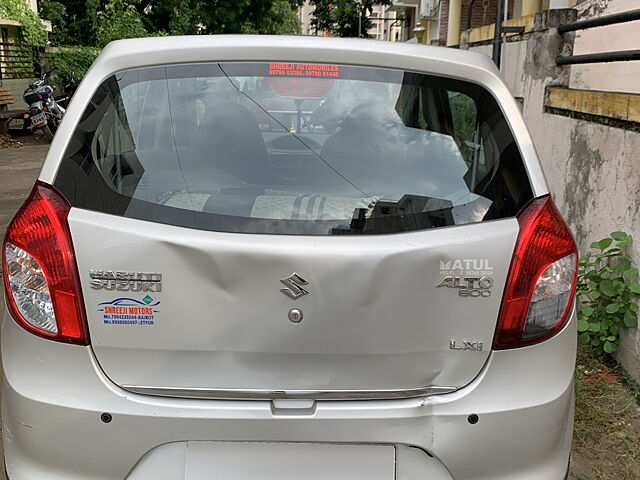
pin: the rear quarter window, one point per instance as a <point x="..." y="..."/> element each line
<point x="286" y="148"/>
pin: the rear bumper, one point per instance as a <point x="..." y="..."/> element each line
<point x="54" y="395"/>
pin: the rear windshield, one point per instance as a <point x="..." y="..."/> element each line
<point x="291" y="148"/>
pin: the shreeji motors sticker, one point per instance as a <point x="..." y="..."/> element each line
<point x="129" y="311"/>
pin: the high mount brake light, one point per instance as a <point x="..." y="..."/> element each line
<point x="300" y="87"/>
<point x="541" y="284"/>
<point x="39" y="269"/>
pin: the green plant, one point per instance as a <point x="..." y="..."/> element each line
<point x="119" y="19"/>
<point x="607" y="291"/>
<point x="280" y="19"/>
<point x="32" y="30"/>
<point x="70" y="61"/>
<point x="345" y="18"/>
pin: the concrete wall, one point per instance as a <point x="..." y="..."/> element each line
<point x="18" y="86"/>
<point x="592" y="169"/>
<point x="472" y="15"/>
<point x="616" y="76"/>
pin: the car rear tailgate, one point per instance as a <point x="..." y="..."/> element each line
<point x="374" y="319"/>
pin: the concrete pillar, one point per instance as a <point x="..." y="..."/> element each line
<point x="529" y="7"/>
<point x="426" y="36"/>
<point x="453" y="25"/>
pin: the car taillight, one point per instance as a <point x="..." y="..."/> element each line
<point x="39" y="269"/>
<point x="541" y="284"/>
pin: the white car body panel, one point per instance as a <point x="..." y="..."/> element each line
<point x="523" y="399"/>
<point x="374" y="320"/>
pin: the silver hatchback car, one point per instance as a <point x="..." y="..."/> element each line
<point x="254" y="257"/>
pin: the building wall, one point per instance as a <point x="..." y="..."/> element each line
<point x="444" y="21"/>
<point x="381" y="30"/>
<point x="304" y="14"/>
<point x="17" y="86"/>
<point x="591" y="169"/>
<point x="481" y="12"/>
<point x="617" y="76"/>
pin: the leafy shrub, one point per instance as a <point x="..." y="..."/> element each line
<point x="607" y="291"/>
<point x="70" y="61"/>
<point x="32" y="30"/>
<point x="118" y="20"/>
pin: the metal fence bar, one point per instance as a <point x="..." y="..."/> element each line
<point x="14" y="56"/>
<point x="18" y="60"/>
<point x="621" y="17"/>
<point x="27" y="45"/>
<point x="623" y="56"/>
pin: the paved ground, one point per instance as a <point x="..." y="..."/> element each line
<point x="19" y="168"/>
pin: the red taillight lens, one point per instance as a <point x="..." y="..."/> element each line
<point x="39" y="269"/>
<point x="541" y="284"/>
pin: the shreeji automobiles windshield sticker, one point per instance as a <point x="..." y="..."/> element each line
<point x="129" y="311"/>
<point x="301" y="80"/>
<point x="309" y="70"/>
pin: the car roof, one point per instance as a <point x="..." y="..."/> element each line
<point x="310" y="48"/>
<point x="153" y="51"/>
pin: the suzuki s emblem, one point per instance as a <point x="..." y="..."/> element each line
<point x="294" y="282"/>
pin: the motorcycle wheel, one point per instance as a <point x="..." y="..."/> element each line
<point x="26" y="126"/>
<point x="48" y="133"/>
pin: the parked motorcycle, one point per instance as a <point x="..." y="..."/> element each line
<point x="69" y="85"/>
<point x="44" y="113"/>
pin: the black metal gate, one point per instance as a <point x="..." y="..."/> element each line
<point x="19" y="60"/>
